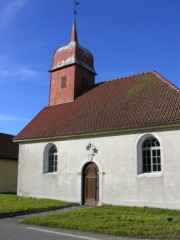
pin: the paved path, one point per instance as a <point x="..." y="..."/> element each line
<point x="44" y="213"/>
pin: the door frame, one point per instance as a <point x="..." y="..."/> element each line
<point x="95" y="189"/>
<point x="80" y="180"/>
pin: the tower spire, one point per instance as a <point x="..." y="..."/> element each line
<point x="72" y="71"/>
<point x="74" y="32"/>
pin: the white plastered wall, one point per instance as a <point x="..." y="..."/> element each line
<point x="116" y="159"/>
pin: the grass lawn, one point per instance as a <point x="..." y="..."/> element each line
<point x="10" y="203"/>
<point x="118" y="221"/>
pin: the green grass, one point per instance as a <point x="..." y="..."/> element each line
<point x="10" y="203"/>
<point x="118" y="221"/>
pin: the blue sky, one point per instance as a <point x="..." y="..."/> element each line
<point x="126" y="37"/>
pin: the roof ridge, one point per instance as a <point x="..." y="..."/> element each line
<point x="128" y="76"/>
<point x="166" y="81"/>
<point x="6" y="134"/>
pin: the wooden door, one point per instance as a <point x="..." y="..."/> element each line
<point x="91" y="184"/>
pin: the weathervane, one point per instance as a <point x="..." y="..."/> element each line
<point x="75" y="5"/>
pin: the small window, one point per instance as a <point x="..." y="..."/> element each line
<point x="151" y="155"/>
<point x="63" y="82"/>
<point x="52" y="160"/>
<point x="84" y="83"/>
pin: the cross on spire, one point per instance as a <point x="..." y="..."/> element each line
<point x="75" y="8"/>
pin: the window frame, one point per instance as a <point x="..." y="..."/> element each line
<point x="52" y="159"/>
<point x="151" y="160"/>
<point x="138" y="156"/>
<point x="46" y="156"/>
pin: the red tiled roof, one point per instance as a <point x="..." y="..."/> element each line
<point x="136" y="101"/>
<point x="8" y="149"/>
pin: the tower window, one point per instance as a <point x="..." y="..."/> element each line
<point x="84" y="83"/>
<point x="63" y="82"/>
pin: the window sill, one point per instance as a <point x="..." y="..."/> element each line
<point x="150" y="175"/>
<point x="49" y="173"/>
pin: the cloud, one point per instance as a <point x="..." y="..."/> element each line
<point x="12" y="118"/>
<point x="22" y="73"/>
<point x="10" y="10"/>
<point x="27" y="74"/>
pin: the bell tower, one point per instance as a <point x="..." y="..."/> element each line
<point x="72" y="71"/>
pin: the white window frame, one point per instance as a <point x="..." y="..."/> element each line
<point x="138" y="156"/>
<point x="52" y="159"/>
<point x="46" y="159"/>
<point x="150" y="157"/>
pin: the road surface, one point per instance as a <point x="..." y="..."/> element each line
<point x="13" y="230"/>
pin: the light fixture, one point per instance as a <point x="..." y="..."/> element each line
<point x="92" y="148"/>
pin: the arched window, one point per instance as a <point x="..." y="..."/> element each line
<point x="52" y="159"/>
<point x="151" y="155"/>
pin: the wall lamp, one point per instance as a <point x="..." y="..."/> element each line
<point x="92" y="148"/>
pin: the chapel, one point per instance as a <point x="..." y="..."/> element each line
<point x="115" y="142"/>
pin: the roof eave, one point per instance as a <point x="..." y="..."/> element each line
<point x="71" y="64"/>
<point x="8" y="158"/>
<point x="149" y="128"/>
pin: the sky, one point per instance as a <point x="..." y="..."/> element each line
<point x="126" y="37"/>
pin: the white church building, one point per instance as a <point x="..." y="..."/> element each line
<point x="116" y="142"/>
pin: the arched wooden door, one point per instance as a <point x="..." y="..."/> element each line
<point x="90" y="184"/>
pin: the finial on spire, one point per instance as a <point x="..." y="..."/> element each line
<point x="74" y="31"/>
<point x="75" y="10"/>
